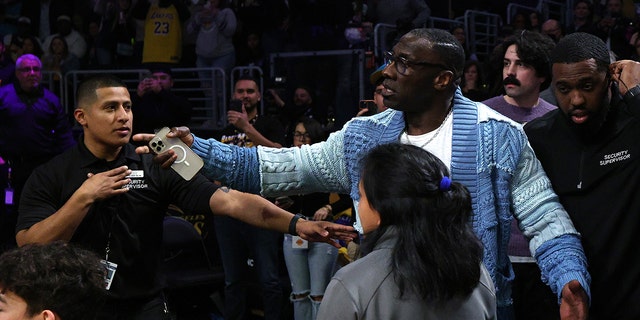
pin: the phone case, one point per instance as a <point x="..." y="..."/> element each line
<point x="187" y="164"/>
<point x="235" y="105"/>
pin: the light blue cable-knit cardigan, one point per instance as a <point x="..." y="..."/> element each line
<point x="490" y="156"/>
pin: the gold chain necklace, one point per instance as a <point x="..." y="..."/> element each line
<point x="434" y="135"/>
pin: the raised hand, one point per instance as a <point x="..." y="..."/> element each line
<point x="239" y="119"/>
<point x="626" y="73"/>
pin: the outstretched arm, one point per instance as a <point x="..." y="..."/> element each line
<point x="554" y="243"/>
<point x="319" y="167"/>
<point x="234" y="166"/>
<point x="272" y="172"/>
<point x="259" y="212"/>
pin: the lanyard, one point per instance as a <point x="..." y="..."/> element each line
<point x="8" y="191"/>
<point x="107" y="248"/>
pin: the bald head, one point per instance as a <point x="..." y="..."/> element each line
<point x="445" y="45"/>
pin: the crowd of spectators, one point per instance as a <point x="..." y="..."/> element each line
<point x="160" y="35"/>
<point x="613" y="21"/>
<point x="120" y="34"/>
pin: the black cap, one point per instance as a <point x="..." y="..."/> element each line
<point x="377" y="75"/>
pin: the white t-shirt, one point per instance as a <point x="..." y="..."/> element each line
<point x="440" y="146"/>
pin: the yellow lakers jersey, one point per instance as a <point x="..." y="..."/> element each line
<point x="162" y="35"/>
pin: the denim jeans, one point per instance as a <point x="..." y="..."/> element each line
<point x="237" y="240"/>
<point x="310" y="271"/>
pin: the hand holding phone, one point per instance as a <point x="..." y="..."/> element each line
<point x="370" y="105"/>
<point x="235" y="105"/>
<point x="187" y="164"/>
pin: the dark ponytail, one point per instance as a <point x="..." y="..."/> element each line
<point x="437" y="256"/>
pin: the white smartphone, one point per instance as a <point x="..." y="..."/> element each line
<point x="187" y="164"/>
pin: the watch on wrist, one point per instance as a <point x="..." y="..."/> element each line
<point x="292" y="224"/>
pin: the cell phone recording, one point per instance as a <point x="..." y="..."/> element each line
<point x="235" y="105"/>
<point x="370" y="105"/>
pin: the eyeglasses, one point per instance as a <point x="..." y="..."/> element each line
<point x="28" y="69"/>
<point x="402" y="64"/>
<point x="299" y="135"/>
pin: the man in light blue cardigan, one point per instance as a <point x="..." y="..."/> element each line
<point x="485" y="151"/>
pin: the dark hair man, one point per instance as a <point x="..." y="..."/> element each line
<point x="526" y="71"/>
<point x="103" y="195"/>
<point x="485" y="151"/>
<point x="55" y="281"/>
<point x="589" y="148"/>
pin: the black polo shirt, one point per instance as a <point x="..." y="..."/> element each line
<point x="134" y="219"/>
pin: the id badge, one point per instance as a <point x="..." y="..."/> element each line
<point x="8" y="196"/>
<point x="299" y="243"/>
<point x="111" y="272"/>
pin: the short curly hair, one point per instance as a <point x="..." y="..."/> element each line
<point x="58" y="276"/>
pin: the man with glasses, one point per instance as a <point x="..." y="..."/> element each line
<point x="33" y="128"/>
<point x="485" y="151"/>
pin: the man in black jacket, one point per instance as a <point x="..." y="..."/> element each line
<point x="590" y="149"/>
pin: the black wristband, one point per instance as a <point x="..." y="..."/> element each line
<point x="292" y="224"/>
<point x="634" y="91"/>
